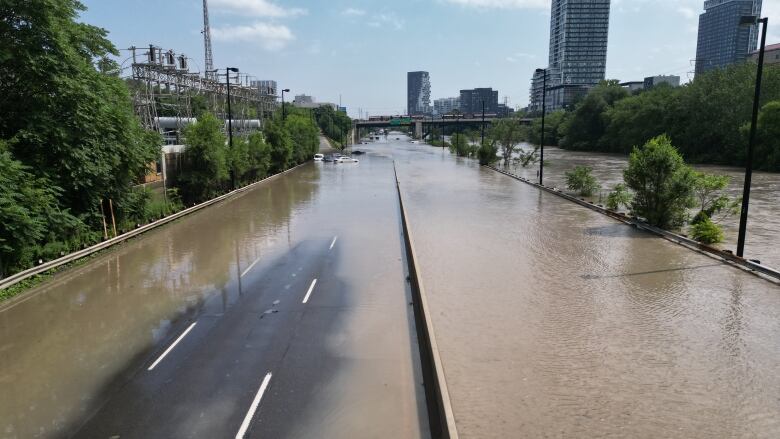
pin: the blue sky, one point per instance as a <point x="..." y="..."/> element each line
<point x="362" y="49"/>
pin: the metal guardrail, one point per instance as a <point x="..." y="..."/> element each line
<point x="22" y="275"/>
<point x="745" y="264"/>
<point x="442" y="418"/>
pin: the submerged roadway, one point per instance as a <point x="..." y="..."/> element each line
<point x="285" y="312"/>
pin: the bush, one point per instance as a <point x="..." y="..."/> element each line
<point x="581" y="179"/>
<point x="487" y="153"/>
<point x="620" y="196"/>
<point x="706" y="231"/>
<point x="662" y="183"/>
<point x="205" y="168"/>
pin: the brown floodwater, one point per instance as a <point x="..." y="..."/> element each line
<point x="76" y="340"/>
<point x="764" y="212"/>
<point x="556" y="321"/>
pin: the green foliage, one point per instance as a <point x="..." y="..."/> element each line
<point x="334" y="124"/>
<point x="61" y="116"/>
<point x="620" y="196"/>
<point x="305" y="137"/>
<point x="706" y="231"/>
<point x="662" y="183"/>
<point x="707" y="118"/>
<point x="281" y="147"/>
<point x="507" y="134"/>
<point x="460" y="146"/>
<point x="768" y="137"/>
<point x="552" y="128"/>
<point x="584" y="128"/>
<point x="205" y="168"/>
<point x="709" y="190"/>
<point x="487" y="153"/>
<point x="259" y="158"/>
<point x="581" y="179"/>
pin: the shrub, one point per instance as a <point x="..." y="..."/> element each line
<point x="706" y="231"/>
<point x="620" y="196"/>
<point x="581" y="179"/>
<point x="487" y="153"/>
<point x="662" y="183"/>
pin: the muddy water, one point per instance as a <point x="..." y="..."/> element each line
<point x="555" y="321"/>
<point x="67" y="347"/>
<point x="764" y="213"/>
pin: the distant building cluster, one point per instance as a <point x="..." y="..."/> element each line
<point x="578" y="48"/>
<point x="470" y="101"/>
<point x="306" y="101"/>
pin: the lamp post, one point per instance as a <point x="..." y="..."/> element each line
<point x="751" y="20"/>
<point x="230" y="123"/>
<point x="544" y="110"/>
<point x="483" y="123"/>
<point x="284" y="112"/>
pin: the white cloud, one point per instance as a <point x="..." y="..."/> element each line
<point x="353" y="12"/>
<point x="518" y="56"/>
<point x="502" y="4"/>
<point x="387" y="19"/>
<point x="268" y="36"/>
<point x="256" y="8"/>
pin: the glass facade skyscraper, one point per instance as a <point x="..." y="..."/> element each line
<point x="579" y="31"/>
<point x="722" y="41"/>
<point x="418" y="93"/>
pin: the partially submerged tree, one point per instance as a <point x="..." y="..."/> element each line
<point x="507" y="134"/>
<point x="662" y="183"/>
<point x="581" y="180"/>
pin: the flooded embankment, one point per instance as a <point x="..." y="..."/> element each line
<point x="764" y="213"/>
<point x="556" y="321"/>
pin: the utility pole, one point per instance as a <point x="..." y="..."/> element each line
<point x="544" y="110"/>
<point x="483" y="123"/>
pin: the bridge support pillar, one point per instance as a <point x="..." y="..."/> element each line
<point x="418" y="129"/>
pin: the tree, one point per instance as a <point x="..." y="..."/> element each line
<point x="62" y="117"/>
<point x="459" y="145"/>
<point x="206" y="160"/>
<point x="620" y="196"/>
<point x="281" y="146"/>
<point x="487" y="153"/>
<point x="507" y="134"/>
<point x="662" y="183"/>
<point x="29" y="214"/>
<point x="581" y="179"/>
<point x="584" y="128"/>
<point x="768" y="137"/>
<point x="304" y="136"/>
<point x="552" y="128"/>
<point x="709" y="191"/>
<point x="259" y="157"/>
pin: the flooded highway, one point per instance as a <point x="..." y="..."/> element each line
<point x="284" y="312"/>
<point x="555" y="321"/>
<point x="764" y="213"/>
<point x="292" y="294"/>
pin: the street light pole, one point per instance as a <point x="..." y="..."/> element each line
<point x="544" y="110"/>
<point x="751" y="20"/>
<point x="483" y="123"/>
<point x="230" y="123"/>
<point x="284" y="111"/>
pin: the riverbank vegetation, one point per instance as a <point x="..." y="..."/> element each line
<point x="72" y="151"/>
<point x="665" y="191"/>
<point x="707" y="119"/>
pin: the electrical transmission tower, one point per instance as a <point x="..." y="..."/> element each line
<point x="207" y="42"/>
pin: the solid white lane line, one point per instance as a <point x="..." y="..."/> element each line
<point x="170" y="348"/>
<point x="333" y="242"/>
<point x="250" y="267"/>
<point x="311" y="288"/>
<point x="253" y="408"/>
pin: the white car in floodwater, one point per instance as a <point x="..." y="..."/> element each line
<point x="346" y="159"/>
<point x="318" y="157"/>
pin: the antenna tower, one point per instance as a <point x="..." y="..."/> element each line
<point x="207" y="42"/>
